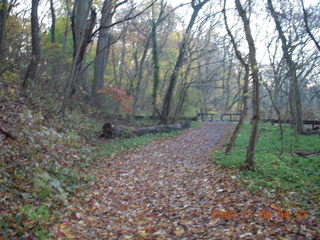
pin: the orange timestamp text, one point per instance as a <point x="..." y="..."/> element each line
<point x="263" y="214"/>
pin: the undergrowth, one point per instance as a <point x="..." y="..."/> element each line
<point x="294" y="179"/>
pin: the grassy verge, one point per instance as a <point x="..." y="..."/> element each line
<point x="116" y="146"/>
<point x="295" y="179"/>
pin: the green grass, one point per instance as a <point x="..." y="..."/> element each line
<point x="287" y="175"/>
<point x="116" y="146"/>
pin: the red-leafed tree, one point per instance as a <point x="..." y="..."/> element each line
<point x="120" y="95"/>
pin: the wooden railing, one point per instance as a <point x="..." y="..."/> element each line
<point x="306" y="122"/>
<point x="234" y="117"/>
<point x="219" y="117"/>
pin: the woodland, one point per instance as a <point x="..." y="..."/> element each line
<point x="105" y="128"/>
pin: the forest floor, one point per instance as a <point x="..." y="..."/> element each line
<point x="171" y="189"/>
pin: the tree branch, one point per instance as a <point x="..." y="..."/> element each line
<point x="305" y="18"/>
<point x="127" y="18"/>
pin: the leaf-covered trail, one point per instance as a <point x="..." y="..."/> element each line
<point x="169" y="190"/>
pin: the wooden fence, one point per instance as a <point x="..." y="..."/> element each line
<point x="306" y="122"/>
<point x="219" y="117"/>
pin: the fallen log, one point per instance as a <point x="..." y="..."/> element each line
<point x="306" y="154"/>
<point x="110" y="132"/>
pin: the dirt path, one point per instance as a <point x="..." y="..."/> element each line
<point x="169" y="190"/>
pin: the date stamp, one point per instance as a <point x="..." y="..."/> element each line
<point x="263" y="214"/>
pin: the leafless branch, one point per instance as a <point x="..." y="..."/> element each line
<point x="127" y="18"/>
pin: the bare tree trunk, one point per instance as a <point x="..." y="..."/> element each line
<point x="205" y="89"/>
<point x="155" y="57"/>
<point x="296" y="109"/>
<point x="53" y="44"/>
<point x="80" y="25"/>
<point x="223" y="77"/>
<point x="249" y="163"/>
<point x="3" y="23"/>
<point x="85" y="34"/>
<point x="156" y="68"/>
<point x="245" y="90"/>
<point x="66" y="28"/>
<point x="80" y="13"/>
<point x="182" y="50"/>
<point x="53" y="22"/>
<point x="65" y="36"/>
<point x="139" y="73"/>
<point x="227" y="87"/>
<point x="102" y="54"/>
<point x="36" y="51"/>
<point x="240" y="89"/>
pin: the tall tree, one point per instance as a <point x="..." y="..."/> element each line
<point x="155" y="58"/>
<point x="250" y="163"/>
<point x="156" y="21"/>
<point x="139" y="73"/>
<point x="246" y="67"/>
<point x="53" y="42"/>
<point x="35" y="39"/>
<point x="80" y="14"/>
<point x="82" y="32"/>
<point x="53" y="22"/>
<point x="80" y="27"/>
<point x="156" y="67"/>
<point x="166" y="109"/>
<point x="295" y="102"/>
<point x="3" y="23"/>
<point x="102" y="53"/>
